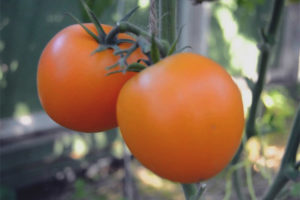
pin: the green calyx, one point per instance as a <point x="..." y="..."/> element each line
<point x="111" y="41"/>
<point x="154" y="48"/>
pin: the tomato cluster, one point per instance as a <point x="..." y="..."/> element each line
<point x="182" y="117"/>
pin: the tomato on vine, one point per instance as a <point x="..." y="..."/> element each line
<point x="72" y="81"/>
<point x="182" y="118"/>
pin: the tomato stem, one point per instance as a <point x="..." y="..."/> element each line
<point x="191" y="192"/>
<point x="126" y="27"/>
<point x="167" y="23"/>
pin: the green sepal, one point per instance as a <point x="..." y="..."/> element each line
<point x="174" y="44"/>
<point x="155" y="55"/>
<point x="134" y="67"/>
<point x="84" y="27"/>
<point x="119" y="41"/>
<point x="128" y="15"/>
<point x="148" y="62"/>
<point x="100" y="48"/>
<point x="115" y="47"/>
<point x="121" y="51"/>
<point x="112" y="66"/>
<point x="123" y="60"/>
<point x="94" y="20"/>
<point x="144" y="44"/>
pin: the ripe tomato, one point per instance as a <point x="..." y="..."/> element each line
<point x="72" y="83"/>
<point x="182" y="118"/>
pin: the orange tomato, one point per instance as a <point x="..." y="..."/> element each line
<point x="72" y="83"/>
<point x="182" y="118"/>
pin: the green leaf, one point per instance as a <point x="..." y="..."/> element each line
<point x="155" y="55"/>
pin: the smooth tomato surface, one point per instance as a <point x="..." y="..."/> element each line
<point x="72" y="83"/>
<point x="182" y="118"/>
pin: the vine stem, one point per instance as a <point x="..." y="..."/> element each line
<point x="265" y="48"/>
<point x="288" y="168"/>
<point x="153" y="18"/>
<point x="167" y="20"/>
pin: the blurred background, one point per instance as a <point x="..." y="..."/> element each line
<point x="41" y="160"/>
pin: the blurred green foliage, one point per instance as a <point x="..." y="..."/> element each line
<point x="295" y="190"/>
<point x="7" y="193"/>
<point x="279" y="109"/>
<point x="234" y="34"/>
<point x="26" y="27"/>
<point x="83" y="191"/>
<point x="98" y="7"/>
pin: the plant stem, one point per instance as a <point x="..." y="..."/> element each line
<point x="250" y="181"/>
<point x="236" y="182"/>
<point x="265" y="48"/>
<point x="288" y="169"/>
<point x="153" y="29"/>
<point x="191" y="192"/>
<point x="127" y="27"/>
<point x="167" y="20"/>
<point x="268" y="40"/>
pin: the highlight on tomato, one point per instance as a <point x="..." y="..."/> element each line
<point x="72" y="81"/>
<point x="182" y="118"/>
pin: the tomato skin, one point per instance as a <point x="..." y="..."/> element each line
<point x="182" y="118"/>
<point x="72" y="84"/>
